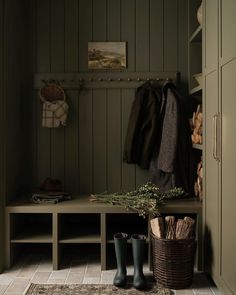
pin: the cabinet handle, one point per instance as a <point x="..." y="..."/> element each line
<point x="214" y="125"/>
<point x="215" y="137"/>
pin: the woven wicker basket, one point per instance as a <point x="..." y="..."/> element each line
<point x="51" y="92"/>
<point x="173" y="262"/>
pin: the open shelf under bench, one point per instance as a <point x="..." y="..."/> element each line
<point x="78" y="221"/>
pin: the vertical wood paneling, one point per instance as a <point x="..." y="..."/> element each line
<point x="43" y="65"/>
<point x="33" y="128"/>
<point x="128" y="31"/>
<point x="170" y="35"/>
<point x="43" y="36"/>
<point x="34" y="137"/>
<point x="71" y="35"/>
<point x="58" y="65"/>
<point x="156" y="35"/>
<point x="113" y="140"/>
<point x="71" y="65"/>
<point x="43" y="147"/>
<point x="154" y="43"/>
<point x="128" y="170"/>
<point x="85" y="32"/>
<point x="182" y="45"/>
<point x="57" y="36"/>
<point x="85" y="142"/>
<point x="99" y="140"/>
<point x="72" y="144"/>
<point x="113" y="108"/>
<point x="141" y="176"/>
<point x="99" y="106"/>
<point x="142" y="35"/>
<point x="99" y="20"/>
<point x="113" y="20"/>
<point x="85" y="101"/>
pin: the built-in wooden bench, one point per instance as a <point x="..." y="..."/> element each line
<point x="96" y="223"/>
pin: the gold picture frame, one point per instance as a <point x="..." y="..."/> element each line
<point x="106" y="55"/>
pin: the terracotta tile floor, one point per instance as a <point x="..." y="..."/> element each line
<point x="38" y="269"/>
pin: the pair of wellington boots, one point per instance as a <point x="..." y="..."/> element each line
<point x="138" y="247"/>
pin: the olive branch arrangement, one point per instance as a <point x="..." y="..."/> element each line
<point x="146" y="200"/>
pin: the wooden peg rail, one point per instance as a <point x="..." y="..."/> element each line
<point x="103" y="79"/>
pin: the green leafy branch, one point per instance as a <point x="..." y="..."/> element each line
<point x="146" y="200"/>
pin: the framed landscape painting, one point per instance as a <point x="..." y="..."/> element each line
<point x="106" y="55"/>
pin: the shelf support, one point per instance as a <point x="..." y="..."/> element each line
<point x="55" y="250"/>
<point x="103" y="241"/>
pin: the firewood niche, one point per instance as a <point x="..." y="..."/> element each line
<point x="196" y="126"/>
<point x="172" y="229"/>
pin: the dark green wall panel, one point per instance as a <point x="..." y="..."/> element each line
<point x="142" y="35"/>
<point x="114" y="140"/>
<point x="128" y="31"/>
<point x="87" y="153"/>
<point x="85" y="32"/>
<point x="156" y="35"/>
<point x="57" y="65"/>
<point x="72" y="143"/>
<point x="128" y="170"/>
<point x="99" y="20"/>
<point x="182" y="48"/>
<point x="43" y="65"/>
<point x="43" y="35"/>
<point x="43" y="164"/>
<point x="99" y="140"/>
<point x="113" y="20"/>
<point x="171" y="35"/>
<point x="86" y="142"/>
<point x="71" y="35"/>
<point x="57" y="36"/>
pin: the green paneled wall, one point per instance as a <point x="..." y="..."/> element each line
<point x="87" y="154"/>
<point x="16" y="95"/>
<point x="2" y="162"/>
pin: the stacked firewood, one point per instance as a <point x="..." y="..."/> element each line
<point x="196" y="125"/>
<point x="172" y="229"/>
<point x="198" y="182"/>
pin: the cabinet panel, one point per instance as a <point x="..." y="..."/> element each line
<point x="212" y="175"/>
<point x="211" y="35"/>
<point x="228" y="29"/>
<point x="228" y="258"/>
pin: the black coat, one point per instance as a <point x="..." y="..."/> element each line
<point x="158" y="135"/>
<point x="141" y="136"/>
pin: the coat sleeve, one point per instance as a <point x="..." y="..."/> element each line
<point x="130" y="154"/>
<point x="169" y="135"/>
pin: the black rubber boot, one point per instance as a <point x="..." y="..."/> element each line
<point x="120" y="240"/>
<point x="138" y="247"/>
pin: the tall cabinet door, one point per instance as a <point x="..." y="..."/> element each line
<point x="228" y="104"/>
<point x="2" y="158"/>
<point x="220" y="141"/>
<point x="211" y="159"/>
